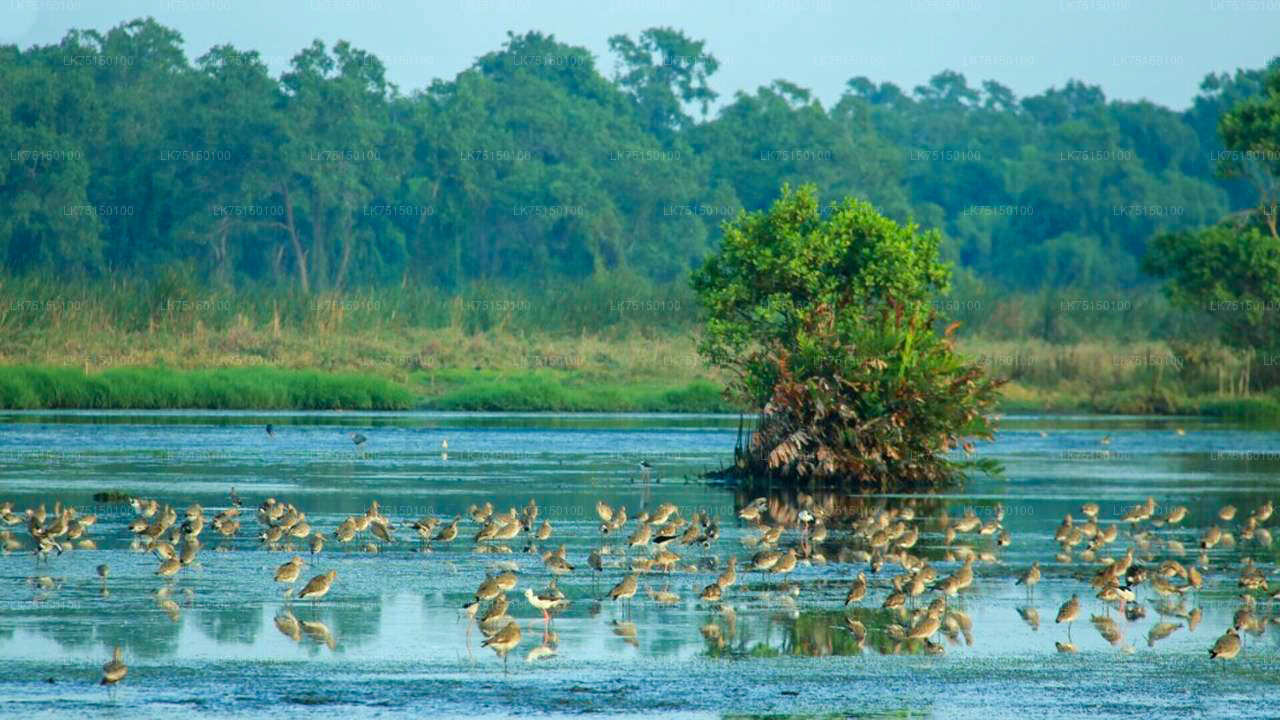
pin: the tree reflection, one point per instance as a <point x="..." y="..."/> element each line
<point x="811" y="633"/>
<point x="231" y="624"/>
<point x="354" y="623"/>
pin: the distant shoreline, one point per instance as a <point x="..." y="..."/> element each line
<point x="49" y="387"/>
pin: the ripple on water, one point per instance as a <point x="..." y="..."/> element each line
<point x="400" y="647"/>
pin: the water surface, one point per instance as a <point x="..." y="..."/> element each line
<point x="390" y="640"/>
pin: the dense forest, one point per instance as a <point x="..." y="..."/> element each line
<point x="536" y="166"/>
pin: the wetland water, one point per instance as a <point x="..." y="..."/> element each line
<point x="390" y="638"/>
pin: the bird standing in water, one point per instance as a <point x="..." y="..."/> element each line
<point x="1030" y="578"/>
<point x="358" y="440"/>
<point x="271" y="431"/>
<point x="1068" y="613"/>
<point x="504" y="641"/>
<point x="1227" y="646"/>
<point x="114" y="670"/>
<point x="646" y="470"/>
<point x="288" y="572"/>
<point x="624" y="590"/>
<point x="318" y="586"/>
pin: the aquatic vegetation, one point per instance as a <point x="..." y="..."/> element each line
<point x="111" y="496"/>
<point x="1258" y="407"/>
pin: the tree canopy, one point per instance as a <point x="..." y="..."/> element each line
<point x="536" y="166"/>
<point x="1231" y="270"/>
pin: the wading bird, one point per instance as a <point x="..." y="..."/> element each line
<point x="1227" y="646"/>
<point x="1030" y="577"/>
<point x="318" y="586"/>
<point x="1068" y="613"/>
<point x="114" y="670"/>
<point x="624" y="590"/>
<point x="504" y="641"/>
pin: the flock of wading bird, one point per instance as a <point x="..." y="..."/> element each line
<point x="1118" y="580"/>
<point x="855" y="530"/>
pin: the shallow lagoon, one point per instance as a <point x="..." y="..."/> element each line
<point x="396" y="642"/>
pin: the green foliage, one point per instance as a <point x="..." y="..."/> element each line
<point x="1219" y="92"/>
<point x="1258" y="408"/>
<point x="559" y="391"/>
<point x="532" y="168"/>
<point x="1230" y="271"/>
<point x="579" y="337"/>
<point x="661" y="85"/>
<point x="167" y="300"/>
<point x="27" y="387"/>
<point x="1057" y="190"/>
<point x="775" y="269"/>
<point x="1251" y="133"/>
<point x="827" y="324"/>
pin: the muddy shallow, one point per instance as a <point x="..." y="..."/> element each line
<point x="390" y="640"/>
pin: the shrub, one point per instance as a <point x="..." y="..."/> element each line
<point x="826" y="323"/>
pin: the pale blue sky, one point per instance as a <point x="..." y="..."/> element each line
<point x="1153" y="49"/>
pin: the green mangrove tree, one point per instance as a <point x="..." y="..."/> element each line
<point x="825" y="318"/>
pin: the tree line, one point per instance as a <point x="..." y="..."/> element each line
<point x="537" y="166"/>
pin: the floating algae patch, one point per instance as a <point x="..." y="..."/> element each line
<point x="111" y="496"/>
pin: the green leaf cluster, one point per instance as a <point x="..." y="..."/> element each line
<point x="824" y="317"/>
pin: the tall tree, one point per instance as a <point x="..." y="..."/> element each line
<point x="49" y="116"/>
<point x="663" y="71"/>
<point x="1251" y="135"/>
<point x="340" y="152"/>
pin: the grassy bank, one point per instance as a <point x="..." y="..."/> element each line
<point x="1111" y="377"/>
<point x="605" y="347"/>
<point x="151" y="388"/>
<point x="447" y="369"/>
<point x="412" y="348"/>
<point x="1261" y="407"/>
<point x="541" y="390"/>
<point x="566" y="391"/>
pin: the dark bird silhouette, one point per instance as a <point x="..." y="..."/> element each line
<point x="646" y="470"/>
<point x="271" y="431"/>
<point x="359" y="440"/>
